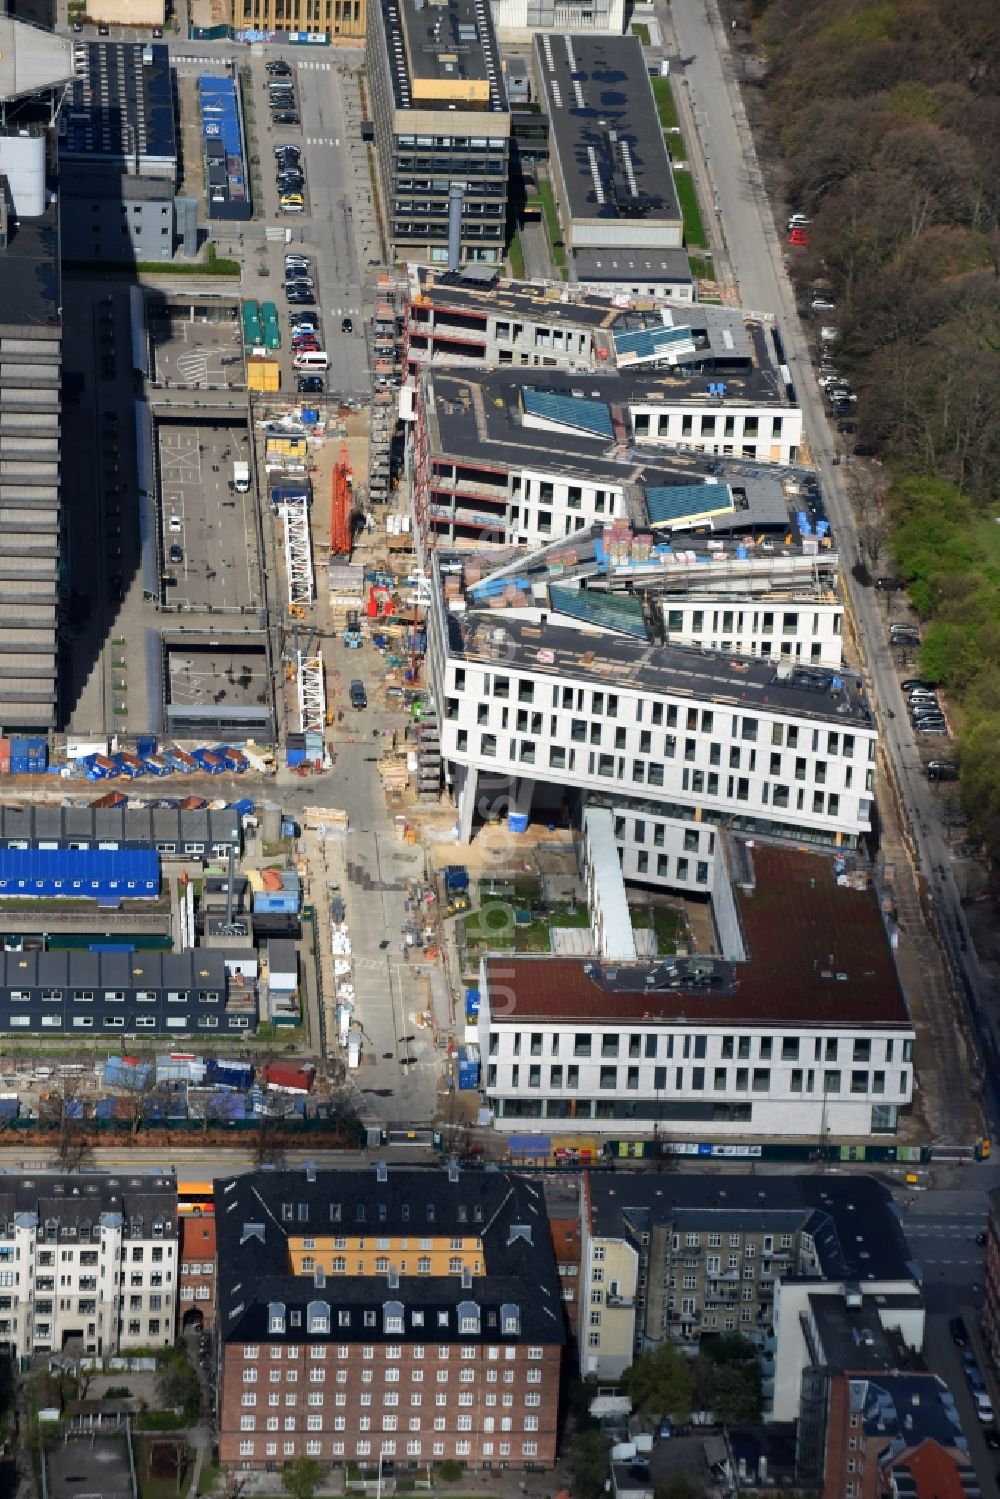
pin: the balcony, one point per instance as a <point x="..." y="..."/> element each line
<point x="622" y="1302"/>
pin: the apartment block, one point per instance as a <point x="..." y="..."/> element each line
<point x="805" y="1035"/>
<point x="671" y="1258"/>
<point x="442" y="129"/>
<point x="87" y="1261"/>
<point x="196" y="1301"/>
<point x="387" y="1314"/>
<point x="526" y="457"/>
<point x="894" y="1432"/>
<point x="588" y="703"/>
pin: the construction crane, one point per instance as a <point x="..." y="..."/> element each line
<point x="341" y="506"/>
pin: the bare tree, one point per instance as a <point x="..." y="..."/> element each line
<point x="865" y="495"/>
<point x="61" y="1112"/>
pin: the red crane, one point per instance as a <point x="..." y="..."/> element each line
<point x="341" y="506"/>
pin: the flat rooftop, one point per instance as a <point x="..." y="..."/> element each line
<point x="120" y="106"/>
<point x="443" y="55"/>
<point x="818" y="957"/>
<point x="605" y="128"/>
<point x="620" y="263"/>
<point x="746" y="683"/>
<point x="31" y="60"/>
<point x="30" y="296"/>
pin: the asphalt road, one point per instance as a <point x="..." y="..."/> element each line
<point x="755" y="251"/>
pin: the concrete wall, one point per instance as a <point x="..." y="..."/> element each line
<point x="128" y="12"/>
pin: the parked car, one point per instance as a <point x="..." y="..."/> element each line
<point x="175" y="524"/>
<point x="359" y="698"/>
<point x="942" y="770"/>
<point x="959" y="1333"/>
<point x="798" y="236"/>
<point x="310" y="385"/>
<point x="346" y="325"/>
<point x="908" y="684"/>
<point x="279" y="68"/>
<point x="176" y="553"/>
<point x="823" y="304"/>
<point x="797" y="221"/>
<point x="285" y="117"/>
<point x="932" y="728"/>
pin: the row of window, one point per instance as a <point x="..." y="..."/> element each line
<point x="138" y="1022"/>
<point x="602" y="704"/>
<point x="314" y="1448"/>
<point x="682" y="424"/>
<point x="418" y="1351"/>
<point x="317" y="1398"/>
<point x="693" y="1080"/>
<point x="792" y="622"/>
<point x="649" y="1045"/>
<point x="116" y="996"/>
<point x="389" y="1423"/>
<point x="317" y="1375"/>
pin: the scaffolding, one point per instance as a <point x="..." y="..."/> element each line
<point x="311" y="691"/>
<point x="298" y="553"/>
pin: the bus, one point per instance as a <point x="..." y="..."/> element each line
<point x="195" y="1199"/>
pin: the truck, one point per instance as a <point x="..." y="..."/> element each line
<point x="354" y="1047"/>
<point x="241" y="477"/>
<point x="352" y="631"/>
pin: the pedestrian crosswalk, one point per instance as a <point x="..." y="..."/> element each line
<point x="323" y="140"/>
<point x="322" y="67"/>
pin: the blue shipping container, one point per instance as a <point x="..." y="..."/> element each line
<point x="472" y="999"/>
<point x="121" y="874"/>
<point x="145" y="744"/>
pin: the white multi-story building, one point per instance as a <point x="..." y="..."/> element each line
<point x="804" y="1034"/>
<point x="521" y="457"/>
<point x="797" y="629"/>
<point x="89" y="1259"/>
<point x="602" y="711"/>
<point x="518" y="20"/>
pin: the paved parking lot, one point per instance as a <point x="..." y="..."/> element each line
<point x="199" y="351"/>
<point x="198" y="675"/>
<point x="213" y="529"/>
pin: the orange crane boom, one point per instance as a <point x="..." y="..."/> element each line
<point x="341" y="505"/>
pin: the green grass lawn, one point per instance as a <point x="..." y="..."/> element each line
<point x="670" y="927"/>
<point x="552" y="226"/>
<point x="694" y="229"/>
<point x="495" y="925"/>
<point x="669" y="924"/>
<point x="516" y="257"/>
<point x="664" y="96"/>
<point x="159" y="1488"/>
<point x="704" y="269"/>
<point x="577" y="916"/>
<point x="641" y="30"/>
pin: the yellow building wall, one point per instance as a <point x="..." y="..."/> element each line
<point x="365" y="1256"/>
<point x="334" y="18"/>
<point x="620" y="1263"/>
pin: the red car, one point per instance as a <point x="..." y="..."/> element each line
<point x="798" y="237"/>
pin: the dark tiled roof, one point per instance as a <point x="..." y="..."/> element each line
<point x="85" y="1196"/>
<point x="852" y="1219"/>
<point x="818" y="958"/>
<point x="506" y="1211"/>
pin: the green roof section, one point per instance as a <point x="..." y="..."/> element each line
<point x="672" y="504"/>
<point x="620" y="612"/>
<point x="575" y="412"/>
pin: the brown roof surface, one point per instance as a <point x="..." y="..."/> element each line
<point x="936" y="1472"/>
<point x="818" y="956"/>
<point x="197" y="1238"/>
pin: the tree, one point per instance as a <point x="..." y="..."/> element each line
<point x="590" y="1462"/>
<point x="302" y="1477"/>
<point x="680" y="1486"/>
<point x="61" y="1112"/>
<point x="177" y="1384"/>
<point x="736" y="1397"/>
<point x="662" y="1383"/>
<point x="728" y="1348"/>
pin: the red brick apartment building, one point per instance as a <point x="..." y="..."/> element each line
<point x="196" y="1281"/>
<point x="391" y="1313"/>
<point x="895" y="1433"/>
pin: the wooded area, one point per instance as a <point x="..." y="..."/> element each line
<point x="888" y="118"/>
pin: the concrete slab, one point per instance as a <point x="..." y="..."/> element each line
<point x="86" y="1465"/>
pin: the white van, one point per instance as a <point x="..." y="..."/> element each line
<point x="311" y="359"/>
